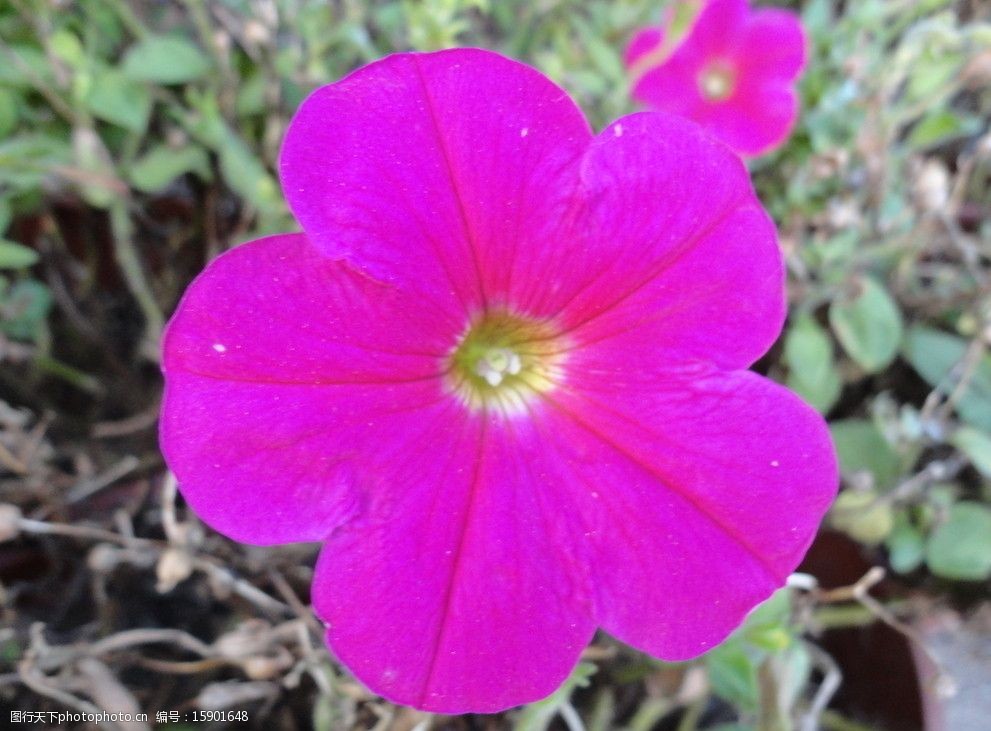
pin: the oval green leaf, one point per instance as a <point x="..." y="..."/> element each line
<point x="868" y="325"/>
<point x="16" y="256"/>
<point x="960" y="548"/>
<point x="166" y="60"/>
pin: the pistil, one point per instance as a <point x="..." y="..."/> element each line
<point x="503" y="360"/>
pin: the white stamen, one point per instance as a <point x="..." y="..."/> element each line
<point x="716" y="83"/>
<point x="497" y="364"/>
<point x="515" y="364"/>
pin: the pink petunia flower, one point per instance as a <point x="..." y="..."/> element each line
<point x="734" y="73"/>
<point x="501" y="376"/>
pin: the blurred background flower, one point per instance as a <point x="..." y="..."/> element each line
<point x="733" y="70"/>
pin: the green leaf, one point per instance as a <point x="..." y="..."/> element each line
<point x="794" y="673"/>
<point x="67" y="47"/>
<point x="862" y="516"/>
<point x="934" y="354"/>
<point x="868" y="325"/>
<point x="251" y="96"/>
<point x="960" y="548"/>
<point x="538" y="716"/>
<point x="976" y="444"/>
<point x="324" y="713"/>
<point x="906" y="546"/>
<point x="932" y="73"/>
<point x="10" y="103"/>
<point x="733" y="674"/>
<point x="861" y="447"/>
<point x="91" y="155"/>
<point x="161" y="165"/>
<point x="776" y="610"/>
<point x="241" y="169"/>
<point x="118" y="99"/>
<point x="811" y="370"/>
<point x="27" y="159"/>
<point x="6" y="214"/>
<point x="165" y="60"/>
<point x="16" y="256"/>
<point x="30" y="64"/>
<point x="940" y="126"/>
<point x="25" y="307"/>
<point x="247" y="175"/>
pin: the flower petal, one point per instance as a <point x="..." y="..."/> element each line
<point x="773" y="45"/>
<point x="282" y="368"/>
<point x="702" y="493"/>
<point x="673" y="86"/>
<point x="681" y="263"/>
<point x="717" y="28"/>
<point x="268" y="463"/>
<point x="642" y="44"/>
<point x="436" y="599"/>
<point x="430" y="170"/>
<point x="758" y="118"/>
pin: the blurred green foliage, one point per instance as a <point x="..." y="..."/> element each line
<point x="882" y="196"/>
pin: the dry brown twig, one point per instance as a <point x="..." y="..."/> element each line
<point x="859" y="592"/>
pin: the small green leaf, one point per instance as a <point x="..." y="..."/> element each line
<point x="91" y="155"/>
<point x="251" y="96"/>
<point x="165" y="60"/>
<point x="811" y="370"/>
<point x="27" y="160"/>
<point x="940" y="126"/>
<point x="24" y="65"/>
<point x="324" y="713"/>
<point x="960" y="548"/>
<point x="932" y="73"/>
<point x="115" y="98"/>
<point x="67" y="47"/>
<point x="538" y="716"/>
<point x="868" y="325"/>
<point x="25" y="307"/>
<point x="862" y="516"/>
<point x="862" y="447"/>
<point x="162" y="165"/>
<point x="16" y="256"/>
<point x="767" y="625"/>
<point x="906" y="546"/>
<point x="6" y="214"/>
<point x="733" y="674"/>
<point x="934" y="354"/>
<point x="246" y="174"/>
<point x="10" y="103"/>
<point x="794" y="674"/>
<point x="976" y="444"/>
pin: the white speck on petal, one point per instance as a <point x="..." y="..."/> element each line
<point x="775" y="463"/>
<point x="220" y="348"/>
<point x="618" y="130"/>
<point x="524" y="132"/>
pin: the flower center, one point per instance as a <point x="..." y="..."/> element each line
<point x="717" y="82"/>
<point x="503" y="360"/>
